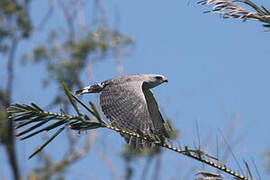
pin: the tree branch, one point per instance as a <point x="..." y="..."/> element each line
<point x="73" y="157"/>
<point x="26" y="114"/>
<point x="9" y="135"/>
<point x="230" y="9"/>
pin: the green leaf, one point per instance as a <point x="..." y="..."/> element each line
<point x="36" y="106"/>
<point x="248" y="169"/>
<point x="96" y="112"/>
<point x="69" y="95"/>
<point x="22" y="116"/>
<point x="47" y="142"/>
<point x="33" y="120"/>
<point x="31" y="128"/>
<point x="208" y="174"/>
<point x="86" y="126"/>
<point x="80" y="102"/>
<point x="48" y="128"/>
<point x="93" y="111"/>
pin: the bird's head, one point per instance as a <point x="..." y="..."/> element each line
<point x="153" y="80"/>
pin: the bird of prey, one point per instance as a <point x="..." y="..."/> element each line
<point x="130" y="105"/>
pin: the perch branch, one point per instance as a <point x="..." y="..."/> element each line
<point x="27" y="114"/>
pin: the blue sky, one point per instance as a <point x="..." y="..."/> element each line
<point x="218" y="73"/>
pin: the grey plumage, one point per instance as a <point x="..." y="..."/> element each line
<point x="130" y="105"/>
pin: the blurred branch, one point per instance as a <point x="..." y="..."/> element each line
<point x="256" y="169"/>
<point x="108" y="163"/>
<point x="26" y="115"/>
<point x="73" y="157"/>
<point x="65" y="54"/>
<point x="230" y="9"/>
<point x="15" y="25"/>
<point x="69" y="16"/>
<point x="157" y="168"/>
<point x="80" y="14"/>
<point x="114" y="37"/>
<point x="10" y="71"/>
<point x="118" y="59"/>
<point x="9" y="132"/>
<point x="146" y="167"/>
<point x="47" y="16"/>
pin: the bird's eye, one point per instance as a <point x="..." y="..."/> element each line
<point x="158" y="77"/>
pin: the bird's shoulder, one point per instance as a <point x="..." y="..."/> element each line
<point x="130" y="80"/>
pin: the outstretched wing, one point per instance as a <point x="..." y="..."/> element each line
<point x="125" y="105"/>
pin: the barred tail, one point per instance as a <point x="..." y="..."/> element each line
<point x="96" y="88"/>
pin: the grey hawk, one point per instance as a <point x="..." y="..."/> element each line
<point x="129" y="104"/>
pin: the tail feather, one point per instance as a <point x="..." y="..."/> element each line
<point x="140" y="144"/>
<point x="96" y="88"/>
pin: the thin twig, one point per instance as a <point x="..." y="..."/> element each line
<point x="80" y="14"/>
<point x="256" y="169"/>
<point x="187" y="152"/>
<point x="18" y="113"/>
<point x="157" y="168"/>
<point x="47" y="16"/>
<point x="146" y="167"/>
<point x="109" y="164"/>
<point x="71" y="158"/>
<point x="23" y="112"/>
<point x="230" y="149"/>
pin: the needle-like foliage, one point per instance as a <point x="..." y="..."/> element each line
<point x="39" y="120"/>
<point x="236" y="9"/>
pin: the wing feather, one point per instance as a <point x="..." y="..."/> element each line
<point x="125" y="105"/>
<point x="155" y="114"/>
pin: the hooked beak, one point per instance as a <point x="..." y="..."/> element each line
<point x="165" y="79"/>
